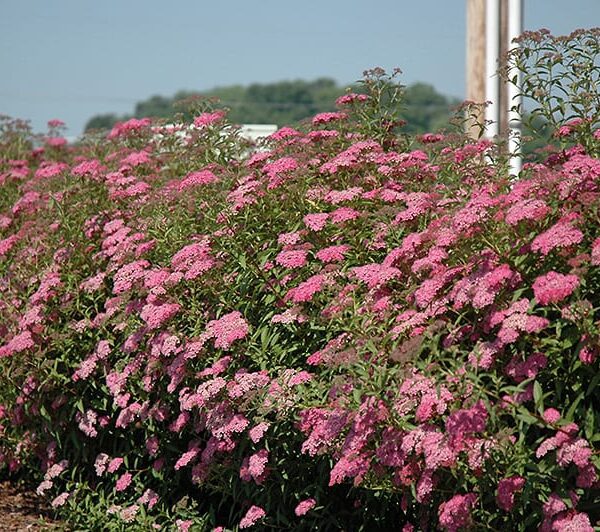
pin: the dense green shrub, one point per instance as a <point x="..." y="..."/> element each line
<point x="346" y="329"/>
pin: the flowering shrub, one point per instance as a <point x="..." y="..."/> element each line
<point x="345" y="330"/>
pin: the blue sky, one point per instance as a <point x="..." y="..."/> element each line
<point x="71" y="59"/>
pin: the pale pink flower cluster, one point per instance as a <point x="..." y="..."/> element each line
<point x="257" y="432"/>
<point x="279" y="170"/>
<point x="322" y="426"/>
<point x="60" y="500"/>
<point x="571" y="450"/>
<point x="305" y="506"/>
<point x="17" y="344"/>
<point x="136" y="158"/>
<point x="123" y="482"/>
<point x="361" y="151"/>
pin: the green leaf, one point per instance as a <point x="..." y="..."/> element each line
<point x="589" y="423"/>
<point x="571" y="412"/>
<point x="538" y="396"/>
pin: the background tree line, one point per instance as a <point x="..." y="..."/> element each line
<point x="289" y="102"/>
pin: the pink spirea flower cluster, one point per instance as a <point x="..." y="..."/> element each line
<point x="156" y="315"/>
<point x="560" y="235"/>
<point x="305" y="506"/>
<point x="252" y="516"/>
<point x="553" y="287"/>
<point x="208" y="119"/>
<point x="195" y="179"/>
<point x="455" y="514"/>
<point x="226" y="330"/>
<point x="507" y="488"/>
<point x="292" y="258"/>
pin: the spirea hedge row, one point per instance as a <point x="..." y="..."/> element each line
<point x="348" y="329"/>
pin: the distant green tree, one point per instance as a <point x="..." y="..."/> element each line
<point x="425" y="108"/>
<point x="289" y="102"/>
<point x="105" y="121"/>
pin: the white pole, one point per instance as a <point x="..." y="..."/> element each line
<point x="515" y="28"/>
<point x="492" y="81"/>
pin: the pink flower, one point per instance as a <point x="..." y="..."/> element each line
<point x="506" y="492"/>
<point x="351" y="97"/>
<point x="560" y="235"/>
<point x="193" y="260"/>
<point x="257" y="432"/>
<point x="279" y="170"/>
<point x="375" y="274"/>
<point x="317" y="221"/>
<point x="203" y="177"/>
<point x="136" y="158"/>
<point x="332" y="253"/>
<point x="55" y="123"/>
<point x="254" y="514"/>
<point x="187" y="457"/>
<point x="306" y="290"/>
<point x="529" y="209"/>
<point x="100" y="463"/>
<point x="124" y="128"/>
<point x="292" y="258"/>
<point x="128" y="514"/>
<point x="114" y="464"/>
<point x="208" y="119"/>
<point x="149" y="497"/>
<point x="183" y="526"/>
<point x="468" y="421"/>
<point x="455" y="514"/>
<point x="123" y="482"/>
<point x="227" y="329"/>
<point x="573" y="522"/>
<point x="551" y="415"/>
<point x="157" y="315"/>
<point x="289" y="239"/>
<point x="343" y="214"/>
<point x="324" y="118"/>
<point x="554" y="287"/>
<point x="257" y="464"/>
<point x="60" y="499"/>
<point x="305" y="506"/>
<point x="20" y="342"/>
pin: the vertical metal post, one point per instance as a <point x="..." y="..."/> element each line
<point x="492" y="55"/>
<point x="515" y="100"/>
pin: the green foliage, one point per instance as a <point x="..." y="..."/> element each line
<point x="380" y="325"/>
